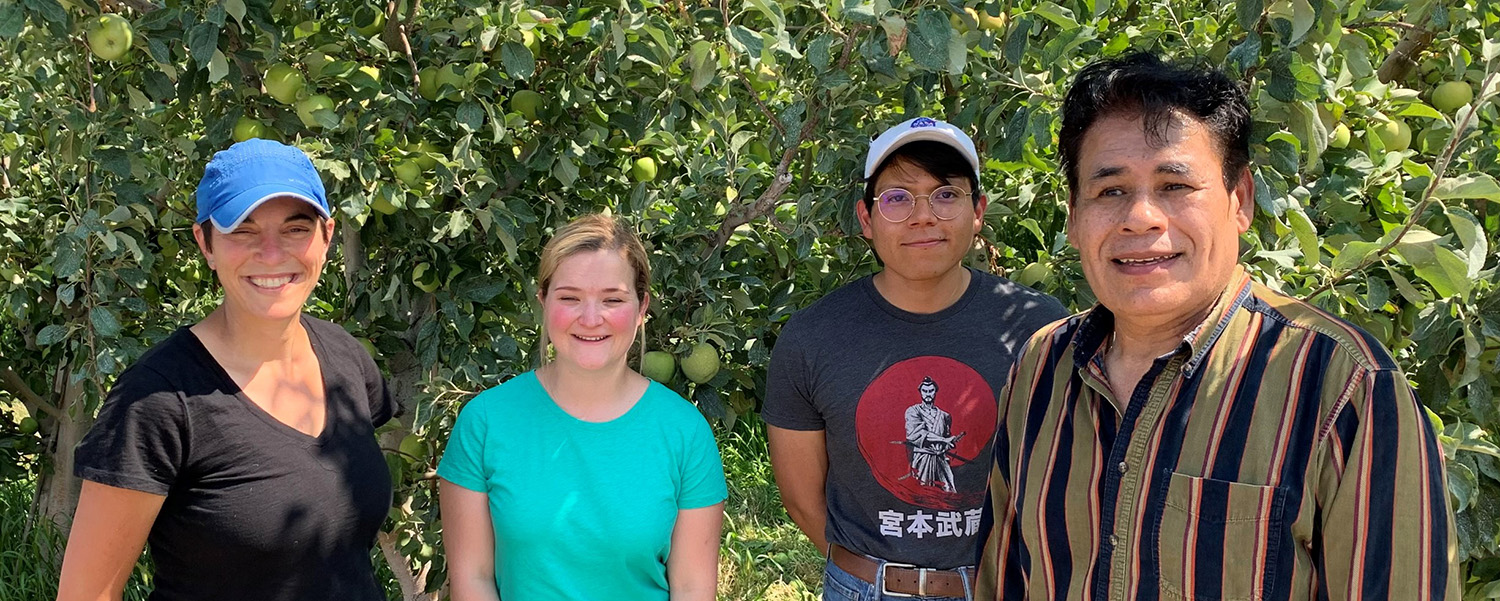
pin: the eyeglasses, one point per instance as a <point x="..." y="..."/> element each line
<point x="897" y="204"/>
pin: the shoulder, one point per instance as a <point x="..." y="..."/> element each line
<point x="665" y="404"/>
<point x="511" y="396"/>
<point x="332" y="334"/>
<point x="842" y="304"/>
<point x="1351" y="343"/>
<point x="996" y="292"/>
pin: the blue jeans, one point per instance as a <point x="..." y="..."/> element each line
<point x="839" y="585"/>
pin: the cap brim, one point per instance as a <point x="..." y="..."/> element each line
<point x="232" y="213"/>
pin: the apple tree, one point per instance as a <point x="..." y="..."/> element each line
<point x="454" y="135"/>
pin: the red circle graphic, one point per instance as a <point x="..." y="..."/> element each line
<point x="891" y="446"/>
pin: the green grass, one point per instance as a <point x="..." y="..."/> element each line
<point x="31" y="557"/>
<point x="763" y="555"/>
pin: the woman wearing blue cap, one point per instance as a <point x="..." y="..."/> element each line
<point x="241" y="447"/>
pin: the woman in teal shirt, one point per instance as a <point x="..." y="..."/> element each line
<point x="583" y="479"/>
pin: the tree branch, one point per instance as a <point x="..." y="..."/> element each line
<point x="1427" y="199"/>
<point x="12" y="382"/>
<point x="395" y="31"/>
<point x="1399" y="63"/>
<point x="1390" y="24"/>
<point x="767" y="201"/>
<point x="404" y="578"/>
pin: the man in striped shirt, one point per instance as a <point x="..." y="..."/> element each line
<point x="1197" y="435"/>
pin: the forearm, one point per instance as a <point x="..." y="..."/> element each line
<point x="473" y="588"/>
<point x="812" y="519"/>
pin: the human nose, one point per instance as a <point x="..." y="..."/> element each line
<point x="593" y="314"/>
<point x="269" y="246"/>
<point x="1142" y="213"/>
<point x="921" y="211"/>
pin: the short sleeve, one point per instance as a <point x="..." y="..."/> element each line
<point x="463" y="459"/>
<point x="140" y="439"/>
<point x="382" y="406"/>
<point x="702" y="469"/>
<point x="789" y="400"/>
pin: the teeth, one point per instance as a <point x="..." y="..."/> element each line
<point x="591" y="338"/>
<point x="271" y="282"/>
<point x="1145" y="261"/>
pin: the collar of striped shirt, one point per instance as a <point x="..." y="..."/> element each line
<point x="1099" y="323"/>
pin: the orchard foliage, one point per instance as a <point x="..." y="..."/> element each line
<point x="454" y="135"/>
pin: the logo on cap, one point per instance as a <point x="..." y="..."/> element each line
<point x="923" y="122"/>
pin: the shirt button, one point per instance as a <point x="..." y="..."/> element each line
<point x="1114" y="541"/>
<point x="1124" y="467"/>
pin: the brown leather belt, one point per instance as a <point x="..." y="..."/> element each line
<point x="903" y="580"/>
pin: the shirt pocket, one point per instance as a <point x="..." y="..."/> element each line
<point x="1218" y="540"/>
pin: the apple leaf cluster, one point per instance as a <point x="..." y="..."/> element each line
<point x="454" y="136"/>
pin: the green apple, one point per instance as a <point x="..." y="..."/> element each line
<point x="451" y="76"/>
<point x="659" y="366"/>
<point x="424" y="277"/>
<point x="368" y="20"/>
<point x="526" y="102"/>
<point x="310" y="105"/>
<point x="1432" y="140"/>
<point x="421" y="150"/>
<point x="247" y="128"/>
<point x="383" y="205"/>
<point x="408" y="171"/>
<point x="643" y="169"/>
<point x="531" y="42"/>
<point x="284" y="82"/>
<point x="1339" y="138"/>
<point x="1034" y="274"/>
<point x="1394" y="134"/>
<point x="28" y="425"/>
<point x="412" y="446"/>
<point x="369" y="347"/>
<point x="991" y="23"/>
<point x="109" y="36"/>
<point x="1451" y="95"/>
<point x="427" y="83"/>
<point x="702" y="364"/>
<point x="315" y="62"/>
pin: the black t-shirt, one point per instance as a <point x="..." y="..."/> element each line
<point x="254" y="509"/>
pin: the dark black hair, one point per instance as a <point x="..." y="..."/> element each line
<point x="1142" y="84"/>
<point x="943" y="162"/>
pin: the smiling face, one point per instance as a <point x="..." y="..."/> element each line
<point x="1156" y="229"/>
<point x="922" y="247"/>
<point x="270" y="264"/>
<point x="591" y="310"/>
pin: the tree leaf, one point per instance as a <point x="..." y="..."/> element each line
<point x="1062" y="17"/>
<point x="517" y="60"/>
<point x="218" y="66"/>
<point x="928" y="41"/>
<point x="202" y="41"/>
<point x="1353" y="254"/>
<point x="12" y="20"/>
<point x="702" y="64"/>
<point x="51" y="335"/>
<point x="1468" y="186"/>
<point x="105" y="323"/>
<point x="1247" y="13"/>
<point x="236" y="9"/>
<point x="49" y="10"/>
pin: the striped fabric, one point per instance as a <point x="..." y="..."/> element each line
<point x="1277" y="454"/>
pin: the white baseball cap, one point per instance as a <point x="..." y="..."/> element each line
<point x="914" y="130"/>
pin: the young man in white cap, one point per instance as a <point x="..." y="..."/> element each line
<point x="881" y="402"/>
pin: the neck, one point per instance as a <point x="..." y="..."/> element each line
<point x="923" y="296"/>
<point x="1148" y="338"/>
<point x="254" y="340"/>
<point x="578" y="387"/>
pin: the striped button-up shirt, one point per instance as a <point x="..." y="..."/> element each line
<point x="1278" y="453"/>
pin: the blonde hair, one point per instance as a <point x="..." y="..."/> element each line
<point x="591" y="233"/>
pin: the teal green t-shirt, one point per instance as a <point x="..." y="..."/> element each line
<point x="583" y="510"/>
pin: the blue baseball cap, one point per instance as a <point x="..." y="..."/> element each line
<point x="242" y="177"/>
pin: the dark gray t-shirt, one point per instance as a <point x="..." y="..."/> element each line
<point x="254" y="508"/>
<point x="908" y="404"/>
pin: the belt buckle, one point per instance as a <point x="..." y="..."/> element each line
<point x="921" y="580"/>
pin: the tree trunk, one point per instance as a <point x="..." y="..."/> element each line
<point x="57" y="490"/>
<point x="1402" y="58"/>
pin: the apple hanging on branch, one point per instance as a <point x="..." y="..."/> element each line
<point x="109" y="36"/>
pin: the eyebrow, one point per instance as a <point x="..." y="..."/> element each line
<point x="293" y="218"/>
<point x="1167" y="168"/>
<point x="576" y="288"/>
